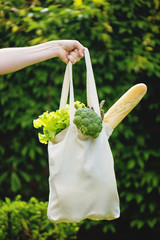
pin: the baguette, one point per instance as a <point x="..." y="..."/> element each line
<point x="124" y="105"/>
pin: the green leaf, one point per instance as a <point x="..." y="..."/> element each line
<point x="151" y="207"/>
<point x="138" y="198"/>
<point x="131" y="164"/>
<point x="25" y="175"/>
<point x="32" y="153"/>
<point x="152" y="222"/>
<point x="3" y="177"/>
<point x="53" y="123"/>
<point x="15" y="182"/>
<point x="129" y="197"/>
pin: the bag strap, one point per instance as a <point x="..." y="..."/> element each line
<point x="92" y="97"/>
<point x="71" y="97"/>
<point x="65" y="89"/>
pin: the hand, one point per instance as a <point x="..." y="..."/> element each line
<point x="14" y="59"/>
<point x="70" y="50"/>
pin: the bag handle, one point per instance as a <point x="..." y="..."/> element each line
<point x="92" y="97"/>
<point x="71" y="97"/>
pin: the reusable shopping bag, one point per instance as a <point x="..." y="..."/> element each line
<point x="82" y="181"/>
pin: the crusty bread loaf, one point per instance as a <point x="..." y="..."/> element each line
<point x="124" y="105"/>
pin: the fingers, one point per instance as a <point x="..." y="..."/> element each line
<point x="80" y="48"/>
<point x="70" y="50"/>
<point x="75" y="55"/>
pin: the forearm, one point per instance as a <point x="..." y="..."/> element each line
<point x="13" y="59"/>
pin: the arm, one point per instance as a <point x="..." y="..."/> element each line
<point x="13" y="59"/>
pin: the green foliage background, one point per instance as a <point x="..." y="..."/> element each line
<point x="123" y="39"/>
<point x="20" y="220"/>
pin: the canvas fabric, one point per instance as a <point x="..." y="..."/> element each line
<point x="82" y="181"/>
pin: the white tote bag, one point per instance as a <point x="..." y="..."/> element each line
<point x="82" y="180"/>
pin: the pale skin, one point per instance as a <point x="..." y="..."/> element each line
<point x="13" y="59"/>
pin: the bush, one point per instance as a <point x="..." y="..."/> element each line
<point x="20" y="220"/>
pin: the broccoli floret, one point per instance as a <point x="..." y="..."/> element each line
<point x="88" y="122"/>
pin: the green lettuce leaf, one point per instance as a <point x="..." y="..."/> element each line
<point x="54" y="122"/>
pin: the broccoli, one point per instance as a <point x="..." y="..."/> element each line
<point x="54" y="122"/>
<point x="88" y="122"/>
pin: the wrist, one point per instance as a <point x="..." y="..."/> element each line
<point x="56" y="48"/>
